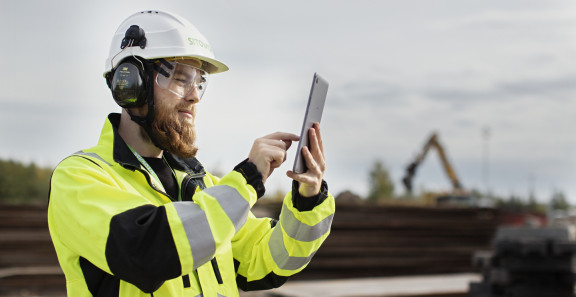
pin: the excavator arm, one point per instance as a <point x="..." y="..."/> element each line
<point x="413" y="166"/>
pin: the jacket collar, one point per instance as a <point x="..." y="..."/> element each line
<point x="124" y="156"/>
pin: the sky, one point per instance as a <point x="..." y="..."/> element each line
<point x="495" y="79"/>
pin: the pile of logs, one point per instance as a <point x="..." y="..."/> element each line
<point x="372" y="241"/>
<point x="365" y="241"/>
<point x="27" y="258"/>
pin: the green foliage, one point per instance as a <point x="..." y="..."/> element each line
<point x="559" y="201"/>
<point x="512" y="203"/>
<point x="23" y="184"/>
<point x="515" y="203"/>
<point x="381" y="186"/>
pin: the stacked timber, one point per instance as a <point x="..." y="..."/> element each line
<point x="365" y="241"/>
<point x="28" y="261"/>
<point x="373" y="241"/>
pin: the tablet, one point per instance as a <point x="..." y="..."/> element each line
<point x="313" y="114"/>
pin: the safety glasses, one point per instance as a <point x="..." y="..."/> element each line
<point x="181" y="79"/>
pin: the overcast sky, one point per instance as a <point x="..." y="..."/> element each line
<point x="398" y="70"/>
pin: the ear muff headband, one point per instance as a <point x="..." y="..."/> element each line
<point x="129" y="82"/>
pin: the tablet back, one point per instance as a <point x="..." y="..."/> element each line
<point x="313" y="114"/>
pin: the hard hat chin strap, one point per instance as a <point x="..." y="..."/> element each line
<point x="146" y="121"/>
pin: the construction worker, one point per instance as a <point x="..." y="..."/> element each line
<point x="137" y="214"/>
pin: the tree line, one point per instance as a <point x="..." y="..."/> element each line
<point x="23" y="183"/>
<point x="29" y="184"/>
<point x="381" y="189"/>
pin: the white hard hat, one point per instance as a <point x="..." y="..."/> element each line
<point x="165" y="35"/>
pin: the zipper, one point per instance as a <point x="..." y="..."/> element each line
<point x="148" y="178"/>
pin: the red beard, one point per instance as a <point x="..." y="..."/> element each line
<point x="175" y="136"/>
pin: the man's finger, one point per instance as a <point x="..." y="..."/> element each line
<point x="283" y="144"/>
<point x="316" y="148"/>
<point x="277" y="158"/>
<point x="287" y="143"/>
<point x="314" y="145"/>
<point x="319" y="136"/>
<point x="311" y="163"/>
<point x="282" y="136"/>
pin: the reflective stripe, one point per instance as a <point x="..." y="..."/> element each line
<point x="233" y="204"/>
<point x="198" y="231"/>
<point x="280" y="255"/>
<point x="202" y="295"/>
<point x="302" y="231"/>
<point x="93" y="155"/>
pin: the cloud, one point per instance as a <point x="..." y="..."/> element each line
<point x="395" y="75"/>
<point x="370" y="93"/>
<point x="514" y="18"/>
<point x="551" y="88"/>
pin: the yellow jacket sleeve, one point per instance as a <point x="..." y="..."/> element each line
<point x="267" y="252"/>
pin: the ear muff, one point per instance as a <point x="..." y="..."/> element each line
<point x="129" y="84"/>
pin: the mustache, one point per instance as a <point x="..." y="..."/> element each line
<point x="185" y="106"/>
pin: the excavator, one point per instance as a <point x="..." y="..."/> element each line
<point x="458" y="196"/>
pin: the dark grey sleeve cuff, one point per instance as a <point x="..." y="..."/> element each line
<point x="308" y="203"/>
<point x="252" y="176"/>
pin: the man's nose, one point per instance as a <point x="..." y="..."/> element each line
<point x="193" y="95"/>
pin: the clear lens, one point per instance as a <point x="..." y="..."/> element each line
<point x="182" y="80"/>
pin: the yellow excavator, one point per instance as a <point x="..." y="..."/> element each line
<point x="458" y="196"/>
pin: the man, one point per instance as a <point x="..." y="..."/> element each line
<point x="137" y="215"/>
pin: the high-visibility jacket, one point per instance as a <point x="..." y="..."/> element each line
<point x="117" y="233"/>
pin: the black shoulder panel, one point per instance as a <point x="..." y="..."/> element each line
<point x="140" y="248"/>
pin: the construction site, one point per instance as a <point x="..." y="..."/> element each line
<point x="387" y="250"/>
<point x="440" y="245"/>
<point x="445" y="135"/>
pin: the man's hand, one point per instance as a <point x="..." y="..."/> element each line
<point x="311" y="180"/>
<point x="269" y="152"/>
